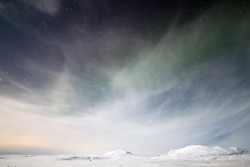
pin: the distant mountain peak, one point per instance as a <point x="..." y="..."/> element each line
<point x="118" y="153"/>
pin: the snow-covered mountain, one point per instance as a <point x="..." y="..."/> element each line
<point x="117" y="153"/>
<point x="235" y="150"/>
<point x="201" y="152"/>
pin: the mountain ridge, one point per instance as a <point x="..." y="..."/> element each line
<point x="199" y="151"/>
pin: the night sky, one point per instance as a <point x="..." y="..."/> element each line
<point x="89" y="76"/>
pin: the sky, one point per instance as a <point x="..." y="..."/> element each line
<point x="89" y="76"/>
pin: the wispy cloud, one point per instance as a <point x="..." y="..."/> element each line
<point x="50" y="7"/>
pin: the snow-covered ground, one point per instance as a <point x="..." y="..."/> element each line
<point x="188" y="156"/>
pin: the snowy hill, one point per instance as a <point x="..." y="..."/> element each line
<point x="202" y="152"/>
<point x="117" y="153"/>
<point x="235" y="150"/>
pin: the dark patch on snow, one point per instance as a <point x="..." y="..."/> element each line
<point x="83" y="158"/>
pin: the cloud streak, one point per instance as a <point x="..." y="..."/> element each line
<point x="50" y="7"/>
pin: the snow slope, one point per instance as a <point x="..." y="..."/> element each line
<point x="123" y="161"/>
<point x="203" y="152"/>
